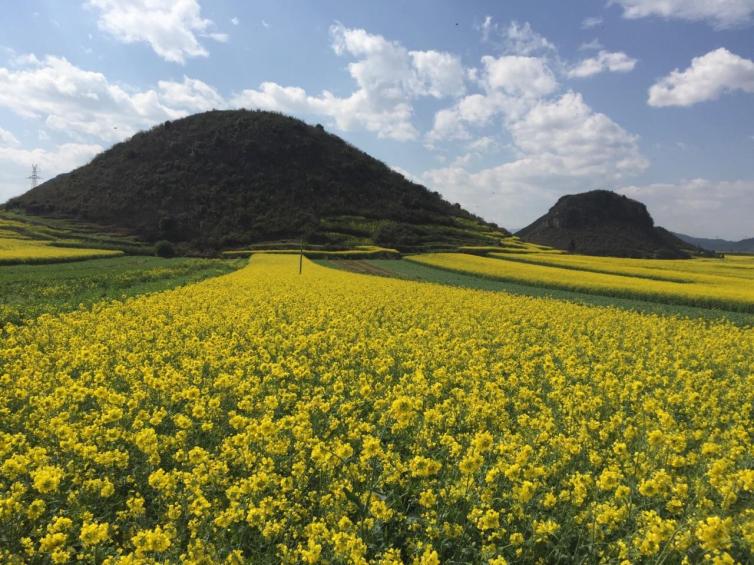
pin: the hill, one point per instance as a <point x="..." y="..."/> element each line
<point x="225" y="179"/>
<point x="720" y="245"/>
<point x="601" y="222"/>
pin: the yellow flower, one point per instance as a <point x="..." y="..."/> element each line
<point x="93" y="533"/>
<point x="714" y="533"/>
<point x="423" y="466"/>
<point x="427" y="499"/>
<point x="490" y="520"/>
<point x="428" y="557"/>
<point x="47" y="479"/>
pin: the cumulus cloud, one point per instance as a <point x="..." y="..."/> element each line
<point x="388" y="78"/>
<point x="563" y="146"/>
<point x="172" y="28"/>
<point x="708" y="77"/>
<point x="516" y="38"/>
<point x="605" y="61"/>
<point x="511" y="84"/>
<point x="190" y="96"/>
<point x="695" y="207"/>
<point x="521" y="39"/>
<point x="85" y="103"/>
<point x="720" y="13"/>
<point x="518" y="75"/>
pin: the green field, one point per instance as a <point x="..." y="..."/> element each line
<point x="26" y="291"/>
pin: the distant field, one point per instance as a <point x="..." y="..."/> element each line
<point x="412" y="270"/>
<point x="30" y="239"/>
<point x="14" y="251"/>
<point x="26" y="291"/>
<point x="689" y="284"/>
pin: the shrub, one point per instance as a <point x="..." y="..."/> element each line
<point x="164" y="249"/>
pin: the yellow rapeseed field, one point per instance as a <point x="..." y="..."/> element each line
<point x="700" y="270"/>
<point x="693" y="282"/>
<point x="331" y="417"/>
<point x="20" y="250"/>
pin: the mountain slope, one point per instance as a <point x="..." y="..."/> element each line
<point x="229" y="178"/>
<point x="720" y="245"/>
<point x="601" y="222"/>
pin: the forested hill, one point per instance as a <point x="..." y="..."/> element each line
<point x="222" y="179"/>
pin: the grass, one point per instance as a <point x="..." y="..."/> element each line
<point x="26" y="291"/>
<point x="415" y="271"/>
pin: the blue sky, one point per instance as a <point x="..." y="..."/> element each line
<point x="501" y="106"/>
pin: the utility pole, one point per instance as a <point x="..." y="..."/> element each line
<point x="301" y="256"/>
<point x="34" y="178"/>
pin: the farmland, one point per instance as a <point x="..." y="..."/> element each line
<point x="27" y="291"/>
<point x="268" y="416"/>
<point x="714" y="283"/>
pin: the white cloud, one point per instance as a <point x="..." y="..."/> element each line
<point x="7" y="138"/>
<point x="515" y="39"/>
<point x="488" y="27"/>
<point x="60" y="159"/>
<point x="616" y="62"/>
<point x="511" y="84"/>
<point x="708" y="77"/>
<point x="235" y="21"/>
<point x="170" y="27"/>
<point x="720" y="13"/>
<point x="589" y="23"/>
<point x="594" y="44"/>
<point x="519" y="76"/>
<point x="521" y="39"/>
<point x="700" y="207"/>
<point x="482" y="144"/>
<point x="563" y="146"/>
<point x="191" y="96"/>
<point x="17" y="162"/>
<point x="406" y="174"/>
<point x="438" y="74"/>
<point x="84" y="103"/>
<point x="388" y="77"/>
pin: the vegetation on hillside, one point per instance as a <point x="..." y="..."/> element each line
<point x="225" y="179"/>
<point x="601" y="222"/>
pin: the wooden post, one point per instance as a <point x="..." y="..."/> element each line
<point x="301" y="256"/>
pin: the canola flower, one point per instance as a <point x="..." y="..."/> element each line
<point x="264" y="416"/>
<point x="698" y="270"/>
<point x="15" y="250"/>
<point x="617" y="277"/>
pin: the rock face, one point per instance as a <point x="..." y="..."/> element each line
<point x="601" y="222"/>
<point x="230" y="178"/>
